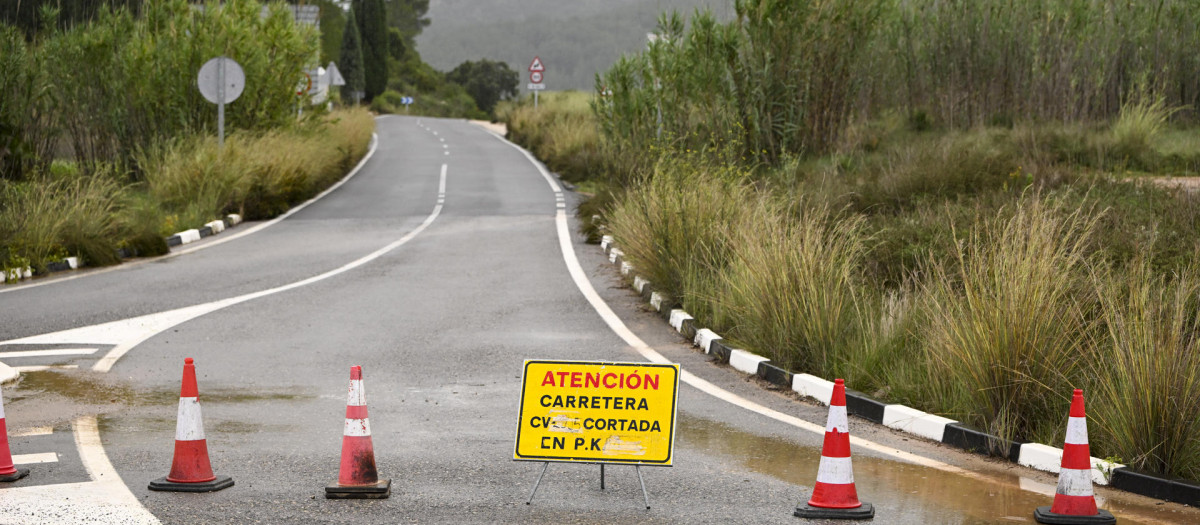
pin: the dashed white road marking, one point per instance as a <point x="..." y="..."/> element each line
<point x="104" y="499"/>
<point x="48" y="353"/>
<point x="33" y="459"/>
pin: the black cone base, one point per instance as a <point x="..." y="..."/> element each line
<point x="865" y="512"/>
<point x="1102" y="517"/>
<point x="20" y="473"/>
<point x="221" y="482"/>
<point x="380" y="490"/>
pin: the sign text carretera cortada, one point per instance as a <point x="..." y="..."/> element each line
<point x="597" y="412"/>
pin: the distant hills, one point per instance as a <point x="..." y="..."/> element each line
<point x="575" y="38"/>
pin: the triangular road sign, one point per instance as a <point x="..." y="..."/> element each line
<point x="335" y="76"/>
<point x="537" y="65"/>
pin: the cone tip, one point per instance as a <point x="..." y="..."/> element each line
<point x="840" y="381"/>
<point x="187" y="360"/>
<point x="1078" y="392"/>
<point x="356" y="372"/>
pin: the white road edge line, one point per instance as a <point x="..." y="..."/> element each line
<point x="186" y="314"/>
<point x="617" y="326"/>
<point x="223" y="239"/>
<point x="34" y="431"/>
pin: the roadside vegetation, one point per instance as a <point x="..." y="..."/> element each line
<point x="954" y="205"/>
<point x="126" y="154"/>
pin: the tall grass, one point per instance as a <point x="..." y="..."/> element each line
<point x="1147" y="376"/>
<point x="1009" y="328"/>
<point x="256" y="175"/>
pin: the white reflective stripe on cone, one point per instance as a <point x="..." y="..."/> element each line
<point x="1075" y="482"/>
<point x="189" y="426"/>
<point x="1077" y="431"/>
<point x="838" y="471"/>
<point x="357" y="397"/>
<point x="837" y="419"/>
<point x="357" y="427"/>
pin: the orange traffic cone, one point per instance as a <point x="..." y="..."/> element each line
<point x="357" y="477"/>
<point x="190" y="469"/>
<point x="834" y="496"/>
<point x="8" y="471"/>
<point x="1074" y="502"/>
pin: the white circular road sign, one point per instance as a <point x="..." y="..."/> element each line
<point x="221" y="72"/>
<point x="535" y="77"/>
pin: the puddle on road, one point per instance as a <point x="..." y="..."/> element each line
<point x="911" y="493"/>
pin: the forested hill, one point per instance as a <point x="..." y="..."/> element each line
<point x="574" y="38"/>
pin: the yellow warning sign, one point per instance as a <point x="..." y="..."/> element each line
<point x="597" y="412"/>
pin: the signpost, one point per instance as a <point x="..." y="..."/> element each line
<point x="597" y="412"/>
<point x="536" y="68"/>
<point x="407" y="101"/>
<point x="221" y="81"/>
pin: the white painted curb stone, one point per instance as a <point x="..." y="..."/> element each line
<point x="1049" y="459"/>
<point x="677" y="318"/>
<point x="813" y="386"/>
<point x="216" y="226"/>
<point x="188" y="236"/>
<point x="704" y="339"/>
<point x="73" y="262"/>
<point x="656" y="300"/>
<point x="639" y="284"/>
<point x="626" y="268"/>
<point x="605" y="242"/>
<point x="745" y="362"/>
<point x="234" y="219"/>
<point x="915" y="421"/>
<point x="613" y="254"/>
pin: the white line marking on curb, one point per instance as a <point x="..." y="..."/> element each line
<point x="45" y="353"/>
<point x="33" y="459"/>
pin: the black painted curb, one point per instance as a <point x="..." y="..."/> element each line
<point x="774" y="374"/>
<point x="966" y="438"/>
<point x="1178" y="491"/>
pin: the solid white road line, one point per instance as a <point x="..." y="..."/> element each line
<point x="103" y="500"/>
<point x="617" y="326"/>
<point x="33" y="459"/>
<point x="128" y="333"/>
<point x="46" y="353"/>
<point x="223" y="238"/>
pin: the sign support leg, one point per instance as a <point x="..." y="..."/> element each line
<point x="535" y="97"/>
<point x="645" y="494"/>
<point x="545" y="466"/>
<point x="602" y="476"/>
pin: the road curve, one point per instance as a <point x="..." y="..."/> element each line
<point x="441" y="323"/>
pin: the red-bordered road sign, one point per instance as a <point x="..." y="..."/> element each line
<point x="536" y="66"/>
<point x="535" y="77"/>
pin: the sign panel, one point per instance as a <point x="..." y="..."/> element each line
<point x="221" y="80"/>
<point x="535" y="77"/>
<point x="536" y="87"/>
<point x="536" y="65"/>
<point x="597" y="412"/>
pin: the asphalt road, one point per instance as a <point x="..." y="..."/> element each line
<point x="450" y="291"/>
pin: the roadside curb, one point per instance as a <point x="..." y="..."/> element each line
<point x="899" y="417"/>
<point x="8" y="374"/>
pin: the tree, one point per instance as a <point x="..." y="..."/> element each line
<point x="409" y="17"/>
<point x="333" y="24"/>
<point x="487" y="81"/>
<point x="352" y="62"/>
<point x="372" y="26"/>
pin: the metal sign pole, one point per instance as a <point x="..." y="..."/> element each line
<point x="535" y="97"/>
<point x="545" y="465"/>
<point x="221" y="102"/>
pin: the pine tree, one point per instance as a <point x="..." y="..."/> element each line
<point x="352" y="63"/>
<point x="372" y="26"/>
